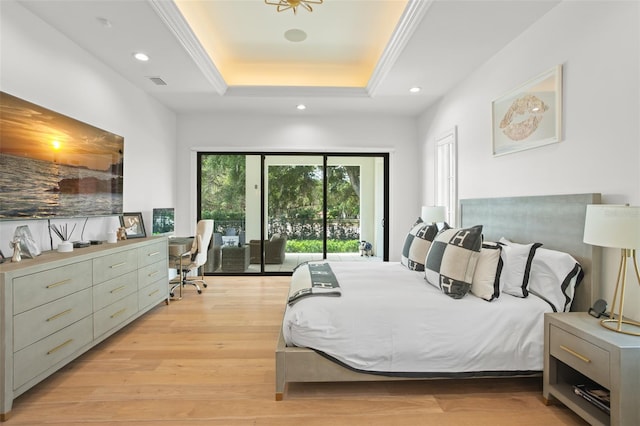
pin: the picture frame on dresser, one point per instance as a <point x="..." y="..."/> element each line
<point x="133" y="225"/>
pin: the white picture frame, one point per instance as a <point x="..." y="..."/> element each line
<point x="528" y="116"/>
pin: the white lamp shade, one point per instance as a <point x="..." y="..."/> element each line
<point x="616" y="226"/>
<point x="431" y="214"/>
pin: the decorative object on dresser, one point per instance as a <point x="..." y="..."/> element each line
<point x="133" y="225"/>
<point x="592" y="371"/>
<point x="616" y="226"/>
<point x="28" y="247"/>
<point x="62" y="231"/>
<point x="15" y="245"/>
<point x="59" y="305"/>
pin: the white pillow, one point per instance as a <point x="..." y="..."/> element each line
<point x="486" y="277"/>
<point x="554" y="277"/>
<point x="516" y="268"/>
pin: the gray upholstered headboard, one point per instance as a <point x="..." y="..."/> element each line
<point x="556" y="221"/>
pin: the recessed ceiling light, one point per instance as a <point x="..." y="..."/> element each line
<point x="295" y="35"/>
<point x="301" y="107"/>
<point x="141" y="56"/>
<point x="415" y="89"/>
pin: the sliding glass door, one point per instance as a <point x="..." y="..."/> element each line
<point x="273" y="212"/>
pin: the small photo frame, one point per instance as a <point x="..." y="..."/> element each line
<point x="133" y="225"/>
<point x="530" y="115"/>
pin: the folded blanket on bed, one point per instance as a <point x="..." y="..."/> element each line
<point x="313" y="279"/>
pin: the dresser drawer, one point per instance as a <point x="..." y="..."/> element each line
<point x="152" y="273"/>
<point x="583" y="356"/>
<point x="33" y="325"/>
<point x="115" y="289"/>
<point x="113" y="265"/>
<point x="153" y="293"/>
<point x="37" y="358"/>
<point x="37" y="289"/>
<point x="107" y="318"/>
<point x="152" y="253"/>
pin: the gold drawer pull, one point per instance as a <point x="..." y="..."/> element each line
<point x="56" y="316"/>
<point x="155" y="253"/>
<point x="117" y="265"/>
<point x="153" y="292"/>
<point x="576" y="354"/>
<point x="117" y="289"/>
<point x="153" y="273"/>
<point x="59" y="283"/>
<point x="120" y="312"/>
<point x="60" y="346"/>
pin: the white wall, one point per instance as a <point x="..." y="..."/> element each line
<point x="246" y="133"/>
<point x="42" y="66"/>
<point x="598" y="44"/>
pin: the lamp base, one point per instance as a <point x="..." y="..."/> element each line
<point x="625" y="326"/>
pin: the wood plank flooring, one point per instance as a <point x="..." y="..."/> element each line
<point x="209" y="360"/>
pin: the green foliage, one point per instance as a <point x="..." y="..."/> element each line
<point x="295" y="199"/>
<point x="315" y="246"/>
<point x="222" y="186"/>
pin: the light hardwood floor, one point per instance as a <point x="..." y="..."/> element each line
<point x="209" y="360"/>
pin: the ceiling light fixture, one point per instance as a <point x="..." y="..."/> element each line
<point x="415" y="89"/>
<point x="301" y="107"/>
<point x="141" y="56"/>
<point x="283" y="5"/>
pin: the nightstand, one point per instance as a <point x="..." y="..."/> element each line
<point x="578" y="350"/>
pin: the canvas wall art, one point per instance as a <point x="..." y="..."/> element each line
<point x="52" y="165"/>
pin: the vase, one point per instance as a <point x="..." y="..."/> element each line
<point x="65" y="247"/>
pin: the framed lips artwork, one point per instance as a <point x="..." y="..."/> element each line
<point x="530" y="115"/>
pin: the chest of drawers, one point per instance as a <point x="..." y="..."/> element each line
<point x="59" y="305"/>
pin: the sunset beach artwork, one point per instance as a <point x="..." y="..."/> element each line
<point x="52" y="165"/>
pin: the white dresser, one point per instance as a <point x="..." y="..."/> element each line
<point x="59" y="305"/>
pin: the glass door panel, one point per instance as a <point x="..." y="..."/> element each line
<point x="293" y="200"/>
<point x="230" y="195"/>
<point x="355" y="200"/>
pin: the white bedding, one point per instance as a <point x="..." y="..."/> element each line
<point x="389" y="319"/>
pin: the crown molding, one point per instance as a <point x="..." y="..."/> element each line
<point x="296" y="91"/>
<point x="171" y="16"/>
<point x="409" y="21"/>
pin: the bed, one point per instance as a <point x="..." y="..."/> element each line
<point x="557" y="221"/>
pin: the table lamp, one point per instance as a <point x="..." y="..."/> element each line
<point x="432" y="214"/>
<point x="616" y="226"/>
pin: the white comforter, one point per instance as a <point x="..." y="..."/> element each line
<point x="389" y="319"/>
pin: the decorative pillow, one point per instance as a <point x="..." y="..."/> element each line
<point x="554" y="278"/>
<point x="516" y="268"/>
<point x="452" y="260"/>
<point x="416" y="245"/>
<point x="486" y="278"/>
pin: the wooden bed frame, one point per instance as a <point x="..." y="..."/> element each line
<point x="557" y="221"/>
